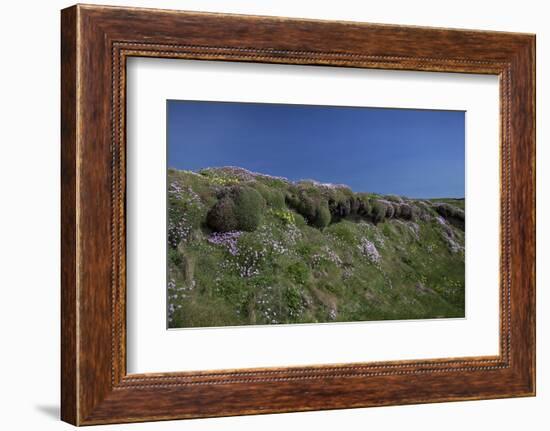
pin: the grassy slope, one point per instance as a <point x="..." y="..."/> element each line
<point x="289" y="272"/>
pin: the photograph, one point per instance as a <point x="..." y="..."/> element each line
<point x="305" y="214"/>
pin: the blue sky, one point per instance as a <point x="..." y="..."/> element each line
<point x="409" y="152"/>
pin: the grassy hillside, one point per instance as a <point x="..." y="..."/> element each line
<point x="246" y="248"/>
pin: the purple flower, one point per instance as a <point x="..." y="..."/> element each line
<point x="177" y="231"/>
<point x="227" y="240"/>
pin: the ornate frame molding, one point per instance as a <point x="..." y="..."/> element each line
<point x="96" y="41"/>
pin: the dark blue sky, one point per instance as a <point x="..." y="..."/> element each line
<point x="410" y="152"/>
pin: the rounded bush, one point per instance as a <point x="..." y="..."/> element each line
<point x="355" y="204"/>
<point x="448" y="211"/>
<point x="222" y="217"/>
<point x="314" y="208"/>
<point x="378" y="211"/>
<point x="409" y="211"/>
<point x="344" y="208"/>
<point x="396" y="210"/>
<point x="394" y="198"/>
<point x="273" y="197"/>
<point x="322" y="216"/>
<point x="340" y="208"/>
<point x="390" y="210"/>
<point x="451" y="213"/>
<point x="307" y="207"/>
<point x="302" y="204"/>
<point x="240" y="208"/>
<point x="364" y="206"/>
<point x="406" y="211"/>
<point x="292" y="200"/>
<point x="248" y="207"/>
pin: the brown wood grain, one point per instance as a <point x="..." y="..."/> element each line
<point x="96" y="41"/>
<point x="69" y="367"/>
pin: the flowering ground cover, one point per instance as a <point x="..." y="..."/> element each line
<point x="246" y="248"/>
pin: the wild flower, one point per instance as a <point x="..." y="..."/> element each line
<point x="243" y="260"/>
<point x="175" y="291"/>
<point x="415" y="229"/>
<point x="232" y="174"/>
<point x="374" y="232"/>
<point x="269" y="243"/>
<point x="176" y="190"/>
<point x="326" y="254"/>
<point x="329" y="186"/>
<point x="247" y="265"/>
<point x="347" y="273"/>
<point x="369" y="250"/>
<point x="268" y="312"/>
<point x="226" y="239"/>
<point x="179" y="226"/>
<point x="286" y="216"/>
<point x="332" y="256"/>
<point x="178" y="231"/>
<point x="292" y="234"/>
<point x="222" y="181"/>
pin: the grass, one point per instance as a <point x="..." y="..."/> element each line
<point x="287" y="270"/>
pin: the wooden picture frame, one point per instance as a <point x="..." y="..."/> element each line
<point x="95" y="43"/>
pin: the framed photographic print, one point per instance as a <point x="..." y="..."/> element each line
<point x="268" y="215"/>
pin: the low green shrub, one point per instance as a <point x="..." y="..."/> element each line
<point x="339" y="208"/>
<point x="298" y="272"/>
<point x="273" y="197"/>
<point x="448" y="211"/>
<point x="249" y="206"/>
<point x="240" y="208"/>
<point x="292" y="200"/>
<point x="293" y="300"/>
<point x="390" y="210"/>
<point x="394" y="198"/>
<point x="364" y="206"/>
<point x="396" y="210"/>
<point x="454" y="214"/>
<point x="344" y="230"/>
<point x="406" y="212"/>
<point x="322" y="216"/>
<point x="175" y="257"/>
<point x="378" y="211"/>
<point x="222" y="217"/>
<point x="313" y="208"/>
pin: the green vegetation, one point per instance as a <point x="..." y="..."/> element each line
<point x="247" y="248"/>
<point x="238" y="208"/>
